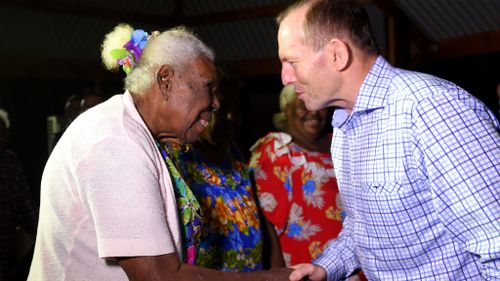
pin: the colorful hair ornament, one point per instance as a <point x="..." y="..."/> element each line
<point x="128" y="56"/>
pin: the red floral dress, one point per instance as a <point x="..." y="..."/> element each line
<point x="298" y="193"/>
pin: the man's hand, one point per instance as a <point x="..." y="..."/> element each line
<point x="307" y="270"/>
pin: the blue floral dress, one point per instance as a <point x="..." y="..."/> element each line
<point x="190" y="214"/>
<point x="231" y="238"/>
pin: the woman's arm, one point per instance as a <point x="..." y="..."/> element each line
<point x="168" y="267"/>
<point x="276" y="255"/>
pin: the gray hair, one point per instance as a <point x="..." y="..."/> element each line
<point x="287" y="95"/>
<point x="176" y="47"/>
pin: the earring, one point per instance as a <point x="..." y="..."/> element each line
<point x="161" y="80"/>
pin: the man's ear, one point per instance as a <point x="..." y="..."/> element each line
<point x="340" y="53"/>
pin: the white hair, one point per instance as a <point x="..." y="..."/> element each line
<point x="287" y="95"/>
<point x="4" y="115"/>
<point x="114" y="40"/>
<point x="176" y="47"/>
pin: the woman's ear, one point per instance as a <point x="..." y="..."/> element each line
<point x="340" y="53"/>
<point x="164" y="77"/>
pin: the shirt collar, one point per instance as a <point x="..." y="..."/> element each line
<point x="374" y="91"/>
<point x="340" y="116"/>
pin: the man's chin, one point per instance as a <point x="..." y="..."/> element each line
<point x="311" y="106"/>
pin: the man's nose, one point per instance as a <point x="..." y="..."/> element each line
<point x="287" y="75"/>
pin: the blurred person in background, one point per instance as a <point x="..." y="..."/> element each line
<point x="295" y="180"/>
<point x="17" y="207"/>
<point x="90" y="100"/>
<point x="72" y="108"/>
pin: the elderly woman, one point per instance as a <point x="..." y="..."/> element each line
<point x="112" y="205"/>
<point x="296" y="182"/>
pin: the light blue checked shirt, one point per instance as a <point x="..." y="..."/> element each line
<point x="418" y="167"/>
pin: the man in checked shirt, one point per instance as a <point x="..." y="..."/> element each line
<point x="417" y="158"/>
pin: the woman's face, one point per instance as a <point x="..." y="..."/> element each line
<point x="192" y="99"/>
<point x="226" y="120"/>
<point x="303" y="123"/>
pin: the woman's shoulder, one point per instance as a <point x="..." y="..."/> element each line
<point x="276" y="140"/>
<point x="273" y="147"/>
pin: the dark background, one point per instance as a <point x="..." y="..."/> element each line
<point x="50" y="50"/>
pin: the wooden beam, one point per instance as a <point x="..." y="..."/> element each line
<point x="391" y="40"/>
<point x="264" y="11"/>
<point x="72" y="9"/>
<point x="482" y="43"/>
<point x="50" y="68"/>
<point x="388" y="7"/>
<point x="399" y="25"/>
<point x="177" y="18"/>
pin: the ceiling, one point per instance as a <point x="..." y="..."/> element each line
<point x="61" y="38"/>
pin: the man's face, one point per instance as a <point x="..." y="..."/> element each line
<point x="307" y="69"/>
<point x="192" y="100"/>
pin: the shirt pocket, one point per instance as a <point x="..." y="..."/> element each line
<point x="392" y="214"/>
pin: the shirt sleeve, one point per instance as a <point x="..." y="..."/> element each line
<point x="339" y="259"/>
<point x="270" y="179"/>
<point x="120" y="185"/>
<point x="460" y="143"/>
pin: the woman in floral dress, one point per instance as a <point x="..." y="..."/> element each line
<point x="296" y="182"/>
<point x="232" y="236"/>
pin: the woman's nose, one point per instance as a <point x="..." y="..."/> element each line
<point x="215" y="103"/>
